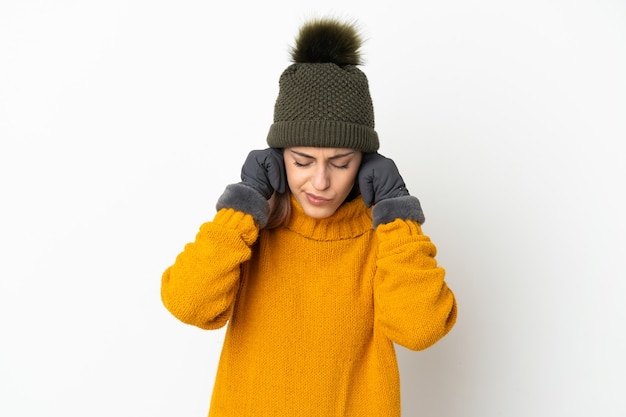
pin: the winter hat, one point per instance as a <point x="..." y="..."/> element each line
<point x="323" y="98"/>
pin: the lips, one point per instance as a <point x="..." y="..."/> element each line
<point x="316" y="200"/>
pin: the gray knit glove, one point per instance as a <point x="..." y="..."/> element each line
<point x="261" y="175"/>
<point x="382" y="185"/>
<point x="379" y="179"/>
<point x="264" y="170"/>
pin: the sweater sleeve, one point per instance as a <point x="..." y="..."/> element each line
<point x="201" y="286"/>
<point x="413" y="304"/>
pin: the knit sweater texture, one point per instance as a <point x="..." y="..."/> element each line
<point x="313" y="310"/>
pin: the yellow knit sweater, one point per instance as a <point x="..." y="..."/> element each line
<point x="313" y="310"/>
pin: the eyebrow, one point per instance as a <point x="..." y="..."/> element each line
<point x="304" y="155"/>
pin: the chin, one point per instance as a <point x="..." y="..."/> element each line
<point x="319" y="213"/>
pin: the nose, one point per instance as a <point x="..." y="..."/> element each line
<point x="320" y="179"/>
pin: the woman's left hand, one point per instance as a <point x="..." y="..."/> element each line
<point x="379" y="179"/>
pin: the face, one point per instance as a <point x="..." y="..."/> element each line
<point x="320" y="179"/>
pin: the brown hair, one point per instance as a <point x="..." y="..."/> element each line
<point x="280" y="210"/>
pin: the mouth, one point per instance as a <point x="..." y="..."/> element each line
<point x="316" y="200"/>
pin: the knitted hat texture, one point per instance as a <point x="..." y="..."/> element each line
<point x="324" y="99"/>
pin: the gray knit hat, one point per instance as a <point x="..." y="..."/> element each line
<point x="323" y="98"/>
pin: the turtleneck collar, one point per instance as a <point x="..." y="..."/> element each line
<point x="351" y="219"/>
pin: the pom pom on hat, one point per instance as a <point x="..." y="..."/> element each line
<point x="327" y="40"/>
<point x="323" y="98"/>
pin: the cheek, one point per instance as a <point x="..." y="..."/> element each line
<point x="294" y="177"/>
<point x="346" y="181"/>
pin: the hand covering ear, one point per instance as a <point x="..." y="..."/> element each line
<point x="262" y="174"/>
<point x="382" y="185"/>
<point x="379" y="179"/>
<point x="264" y="170"/>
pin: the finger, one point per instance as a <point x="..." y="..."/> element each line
<point x="366" y="185"/>
<point x="276" y="174"/>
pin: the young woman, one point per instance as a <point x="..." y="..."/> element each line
<point x="316" y="259"/>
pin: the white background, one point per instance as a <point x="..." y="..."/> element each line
<point x="121" y="122"/>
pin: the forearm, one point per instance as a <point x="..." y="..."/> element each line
<point x="413" y="303"/>
<point x="201" y="286"/>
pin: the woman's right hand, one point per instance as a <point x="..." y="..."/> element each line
<point x="264" y="170"/>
